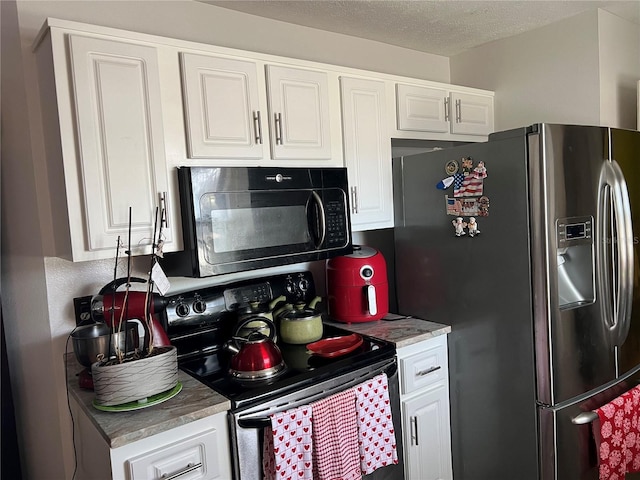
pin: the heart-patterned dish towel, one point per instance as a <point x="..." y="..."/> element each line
<point x="376" y="435"/>
<point x="619" y="436"/>
<point x="287" y="450"/>
<point x="335" y="438"/>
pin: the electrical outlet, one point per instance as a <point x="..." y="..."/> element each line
<point x="82" y="307"/>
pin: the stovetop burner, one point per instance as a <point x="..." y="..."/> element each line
<point x="200" y="322"/>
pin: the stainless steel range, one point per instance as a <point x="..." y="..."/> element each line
<point x="200" y="322"/>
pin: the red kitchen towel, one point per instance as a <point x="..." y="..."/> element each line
<point x="376" y="435"/>
<point x="619" y="448"/>
<point x="335" y="438"/>
<point x="287" y="449"/>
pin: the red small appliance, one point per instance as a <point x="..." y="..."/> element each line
<point x="357" y="286"/>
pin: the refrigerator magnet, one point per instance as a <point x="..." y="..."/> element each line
<point x="454" y="206"/>
<point x="444" y="183"/>
<point x="451" y="167"/>
<point x="467" y="165"/>
<point x="483" y="206"/>
<point x="473" y="227"/>
<point x="459" y="225"/>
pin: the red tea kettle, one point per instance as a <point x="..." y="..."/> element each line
<point x="357" y="286"/>
<point x="256" y="357"/>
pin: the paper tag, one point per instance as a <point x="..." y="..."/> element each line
<point x="160" y="279"/>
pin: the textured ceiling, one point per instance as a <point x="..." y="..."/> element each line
<point x="444" y="27"/>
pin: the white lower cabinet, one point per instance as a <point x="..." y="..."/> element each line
<point x="198" y="450"/>
<point x="424" y="400"/>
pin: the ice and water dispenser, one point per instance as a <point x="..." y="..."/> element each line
<point x="576" y="262"/>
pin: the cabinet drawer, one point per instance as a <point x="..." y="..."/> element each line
<point x="425" y="367"/>
<point x="193" y="458"/>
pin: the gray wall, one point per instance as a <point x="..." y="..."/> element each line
<point x="582" y="70"/>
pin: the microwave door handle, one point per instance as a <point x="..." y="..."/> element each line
<point x="319" y="215"/>
<point x="624" y="245"/>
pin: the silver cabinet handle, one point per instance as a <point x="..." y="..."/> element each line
<point x="458" y="112"/>
<point x="257" y="126"/>
<point x="584" y="418"/>
<point x="189" y="468"/>
<point x="414" y="430"/>
<point x="164" y="208"/>
<point x="354" y="199"/>
<point x="278" y="128"/>
<point x="447" y="108"/>
<point x="429" y="370"/>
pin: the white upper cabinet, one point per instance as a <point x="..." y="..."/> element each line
<point x="109" y="128"/>
<point x="471" y="114"/>
<point x="367" y="153"/>
<point x="422" y="109"/>
<point x="222" y="107"/>
<point x="241" y="109"/>
<point x="299" y="113"/>
<point x="443" y="111"/>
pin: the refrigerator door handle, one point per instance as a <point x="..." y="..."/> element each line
<point x="604" y="251"/>
<point x="584" y="418"/>
<point x="624" y="243"/>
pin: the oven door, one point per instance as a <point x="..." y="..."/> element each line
<point x="247" y="426"/>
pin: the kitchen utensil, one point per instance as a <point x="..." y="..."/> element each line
<point x="300" y="324"/>
<point x="256" y="357"/>
<point x="258" y="311"/>
<point x="357" y="286"/>
<point x="89" y="341"/>
<point x="335" y="346"/>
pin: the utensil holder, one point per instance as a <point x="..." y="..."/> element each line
<point x="135" y="379"/>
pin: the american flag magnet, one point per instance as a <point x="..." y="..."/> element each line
<point x="470" y="182"/>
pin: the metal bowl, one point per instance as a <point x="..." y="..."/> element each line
<point x="91" y="340"/>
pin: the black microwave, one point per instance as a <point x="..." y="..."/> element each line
<point x="243" y="218"/>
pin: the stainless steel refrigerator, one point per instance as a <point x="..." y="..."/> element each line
<point x="541" y="289"/>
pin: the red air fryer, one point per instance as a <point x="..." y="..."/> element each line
<point x="357" y="286"/>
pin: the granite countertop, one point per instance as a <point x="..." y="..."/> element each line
<point x="397" y="329"/>
<point x="193" y="402"/>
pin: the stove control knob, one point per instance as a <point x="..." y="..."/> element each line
<point x="199" y="305"/>
<point x="303" y="285"/>
<point x="182" y="309"/>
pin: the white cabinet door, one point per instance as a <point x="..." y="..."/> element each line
<point x="116" y="91"/>
<point x="422" y="109"/>
<point x="427" y="442"/>
<point x="367" y="153"/>
<point x="436" y="110"/>
<point x="472" y="114"/>
<point x="222" y="109"/>
<point x="298" y="113"/>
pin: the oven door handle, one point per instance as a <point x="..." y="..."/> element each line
<point x="263" y="422"/>
<point x="258" y="422"/>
